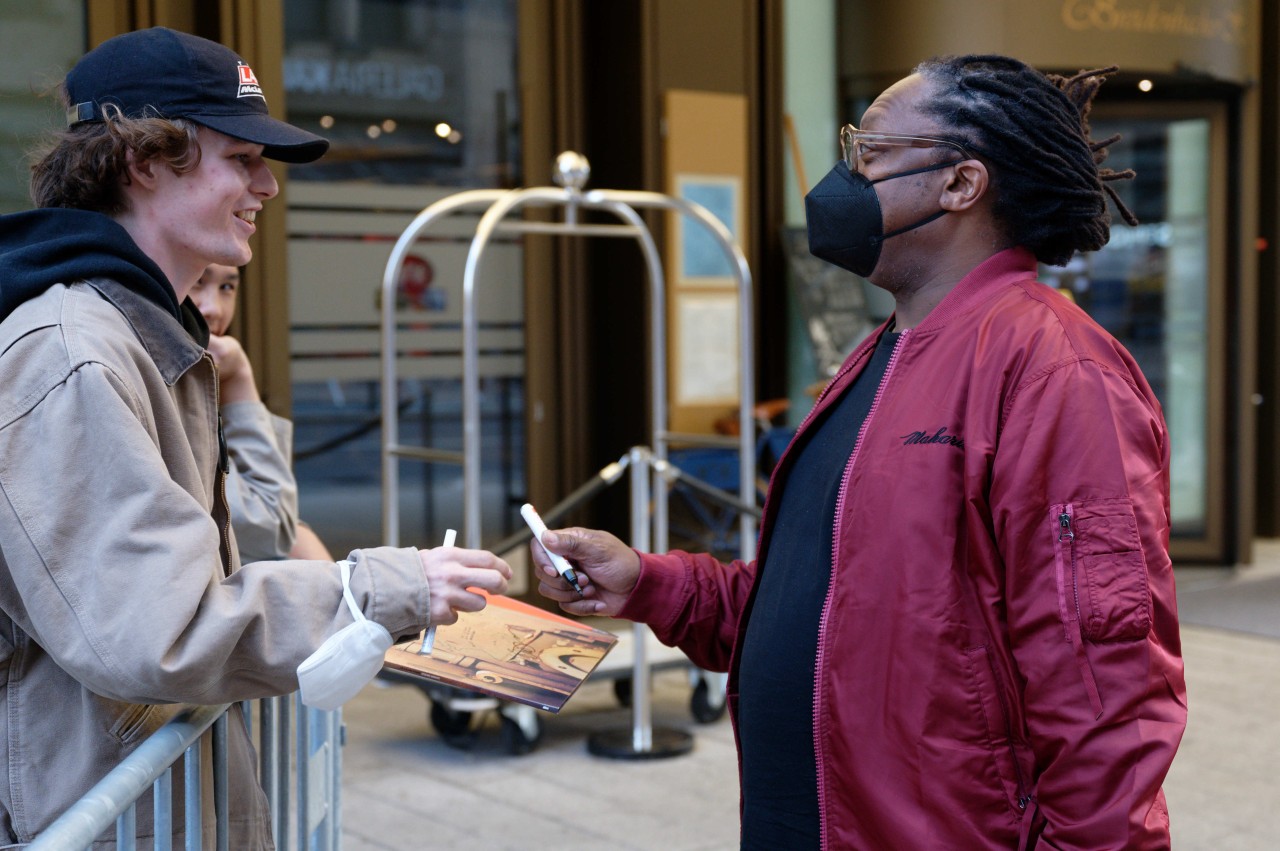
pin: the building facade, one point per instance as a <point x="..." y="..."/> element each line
<point x="738" y="100"/>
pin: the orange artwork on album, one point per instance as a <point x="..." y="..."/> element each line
<point x="510" y="650"/>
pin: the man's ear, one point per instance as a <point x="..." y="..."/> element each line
<point x="968" y="184"/>
<point x="141" y="172"/>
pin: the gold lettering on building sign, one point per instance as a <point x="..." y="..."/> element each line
<point x="1155" y="17"/>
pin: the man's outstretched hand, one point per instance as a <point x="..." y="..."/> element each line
<point x="607" y="570"/>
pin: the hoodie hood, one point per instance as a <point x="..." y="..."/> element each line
<point x="40" y="248"/>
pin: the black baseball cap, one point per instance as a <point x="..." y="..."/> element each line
<point x="159" y="71"/>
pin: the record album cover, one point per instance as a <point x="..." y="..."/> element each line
<point x="510" y="650"/>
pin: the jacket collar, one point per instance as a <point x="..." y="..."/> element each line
<point x="173" y="346"/>
<point x="991" y="275"/>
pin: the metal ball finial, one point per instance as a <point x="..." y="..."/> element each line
<point x="572" y="170"/>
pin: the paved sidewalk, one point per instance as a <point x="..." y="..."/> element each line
<point x="405" y="789"/>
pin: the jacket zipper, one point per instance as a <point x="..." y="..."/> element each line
<point x="1067" y="537"/>
<point x="818" y="738"/>
<point x="1069" y="611"/>
<point x="1024" y="796"/>
<point x="224" y="469"/>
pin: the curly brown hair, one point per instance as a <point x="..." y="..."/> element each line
<point x="85" y="166"/>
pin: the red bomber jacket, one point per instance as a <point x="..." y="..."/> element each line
<point x="998" y="657"/>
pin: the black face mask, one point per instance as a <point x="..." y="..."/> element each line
<point x="845" y="224"/>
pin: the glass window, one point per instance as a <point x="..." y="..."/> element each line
<point x="419" y="99"/>
<point x="408" y="91"/>
<point x="1149" y="286"/>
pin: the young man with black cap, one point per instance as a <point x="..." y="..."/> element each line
<point x="121" y="594"/>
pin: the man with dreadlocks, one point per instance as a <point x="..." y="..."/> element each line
<point x="960" y="631"/>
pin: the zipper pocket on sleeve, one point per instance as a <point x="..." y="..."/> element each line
<point x="1064" y="556"/>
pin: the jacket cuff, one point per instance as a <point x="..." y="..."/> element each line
<point x="663" y="577"/>
<point x="391" y="588"/>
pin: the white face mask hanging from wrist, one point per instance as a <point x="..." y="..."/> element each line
<point x="347" y="660"/>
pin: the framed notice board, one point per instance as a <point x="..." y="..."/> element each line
<point x="705" y="161"/>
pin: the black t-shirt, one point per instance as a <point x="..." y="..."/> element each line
<point x="779" y="650"/>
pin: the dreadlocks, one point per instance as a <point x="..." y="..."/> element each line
<point x="1033" y="128"/>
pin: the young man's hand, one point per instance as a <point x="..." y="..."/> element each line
<point x="452" y="571"/>
<point x="235" y="373"/>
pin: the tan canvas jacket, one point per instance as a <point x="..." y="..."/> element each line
<point x="116" y="607"/>
<point x="262" y="493"/>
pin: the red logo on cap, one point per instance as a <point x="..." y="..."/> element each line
<point x="248" y="86"/>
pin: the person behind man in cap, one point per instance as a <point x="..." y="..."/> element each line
<point x="262" y="493"/>
<point x="121" y="595"/>
<point x="960" y="631"/>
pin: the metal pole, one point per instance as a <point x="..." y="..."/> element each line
<point x="284" y="715"/>
<point x="337" y="738"/>
<point x="221" y="798"/>
<point x="657" y="364"/>
<point x="193" y="797"/>
<point x="641" y="741"/>
<point x="471" y="516"/>
<point x="302" y="756"/>
<point x="162" y="810"/>
<point x="390" y="385"/>
<point x="269" y="760"/>
<point x="641" y="716"/>
<point x="127" y="829"/>
<point x="746" y="347"/>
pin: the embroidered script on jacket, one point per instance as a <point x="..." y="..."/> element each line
<point x="939" y="436"/>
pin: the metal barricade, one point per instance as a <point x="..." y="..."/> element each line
<point x="302" y="782"/>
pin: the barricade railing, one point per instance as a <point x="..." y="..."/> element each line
<point x="302" y="781"/>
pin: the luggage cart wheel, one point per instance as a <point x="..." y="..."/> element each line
<point x="521" y="729"/>
<point x="622" y="691"/>
<point x="622" y="688"/>
<point x="706" y="706"/>
<point x="453" y="726"/>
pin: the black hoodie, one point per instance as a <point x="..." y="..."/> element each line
<point x="40" y="248"/>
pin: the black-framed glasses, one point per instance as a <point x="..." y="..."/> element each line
<point x="854" y="143"/>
